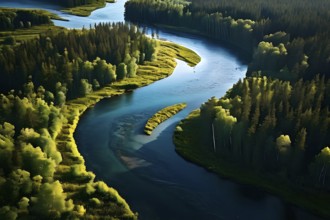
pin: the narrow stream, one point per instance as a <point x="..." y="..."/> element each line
<point x="147" y="172"/>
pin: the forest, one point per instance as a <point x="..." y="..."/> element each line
<point x="73" y="3"/>
<point x="289" y="32"/>
<point x="11" y="19"/>
<point x="272" y="126"/>
<point x="275" y="122"/>
<point x="74" y="63"/>
<point x="38" y="77"/>
<point x="49" y="77"/>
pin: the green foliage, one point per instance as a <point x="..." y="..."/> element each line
<point x="277" y="38"/>
<point x="34" y="160"/>
<point x="6" y="146"/>
<point x="62" y="60"/>
<point x="78" y="7"/>
<point x="18" y="184"/>
<point x="85" y="87"/>
<point x="224" y="124"/>
<point x="42" y="173"/>
<point x="74" y="3"/>
<point x="303" y="33"/>
<point x="19" y="18"/>
<point x="177" y="13"/>
<point x="51" y="208"/>
<point x="121" y="71"/>
<point x="132" y="67"/>
<point x="7" y="212"/>
<point x="249" y="123"/>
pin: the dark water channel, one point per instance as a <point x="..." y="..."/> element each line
<point x="155" y="181"/>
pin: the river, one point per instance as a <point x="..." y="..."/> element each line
<point x="147" y="172"/>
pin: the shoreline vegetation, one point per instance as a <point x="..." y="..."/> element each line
<point x="39" y="156"/>
<point x="265" y="134"/>
<point x="310" y="199"/>
<point x="193" y="151"/>
<point x="161" y="116"/>
<point x="162" y="67"/>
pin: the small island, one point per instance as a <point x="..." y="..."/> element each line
<point x="162" y="116"/>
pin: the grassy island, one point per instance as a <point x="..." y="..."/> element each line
<point x="161" y="116"/>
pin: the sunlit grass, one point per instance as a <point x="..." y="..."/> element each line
<point x="181" y="53"/>
<point x="162" y="116"/>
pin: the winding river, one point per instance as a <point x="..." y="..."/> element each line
<point x="155" y="181"/>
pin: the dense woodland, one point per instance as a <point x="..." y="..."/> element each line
<point x="37" y="77"/>
<point x="293" y="31"/>
<point x="277" y="119"/>
<point x="274" y="126"/>
<point x="72" y="3"/>
<point x="75" y="62"/>
<point x="12" y="19"/>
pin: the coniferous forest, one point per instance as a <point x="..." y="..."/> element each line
<point x="73" y="3"/>
<point x="49" y="77"/>
<point x="38" y="77"/>
<point x="287" y="33"/>
<point x="75" y="58"/>
<point x="276" y="121"/>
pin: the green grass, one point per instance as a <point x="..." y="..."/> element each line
<point x="161" y="116"/>
<point x="183" y="53"/>
<point x="195" y="146"/>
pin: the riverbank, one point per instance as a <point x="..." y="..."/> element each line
<point x="242" y="53"/>
<point x="194" y="150"/>
<point x="27" y="33"/>
<point x="161" y="67"/>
